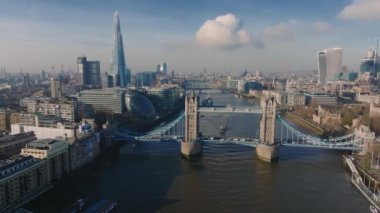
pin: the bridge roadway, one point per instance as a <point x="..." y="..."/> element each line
<point x="230" y="109"/>
<point x="251" y="142"/>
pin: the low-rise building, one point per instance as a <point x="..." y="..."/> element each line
<point x="66" y="109"/>
<point x="320" y="99"/>
<point x="324" y="116"/>
<point x="5" y="119"/>
<point x="368" y="98"/>
<point x="55" y="152"/>
<point x="295" y="99"/>
<point x="12" y="144"/>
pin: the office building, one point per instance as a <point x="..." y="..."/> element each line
<point x="370" y="63"/>
<point x="89" y="72"/>
<point x="55" y="88"/>
<point x="329" y="64"/>
<point x="165" y="96"/>
<point x="109" y="100"/>
<point x="162" y="68"/>
<point x="146" y="78"/>
<point x="121" y="76"/>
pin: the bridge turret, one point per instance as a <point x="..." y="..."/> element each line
<point x="191" y="146"/>
<point x="367" y="137"/>
<point x="267" y="149"/>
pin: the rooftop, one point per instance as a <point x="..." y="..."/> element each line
<point x="14" y="164"/>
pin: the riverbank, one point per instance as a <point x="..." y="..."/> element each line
<point x="304" y="124"/>
<point x="362" y="180"/>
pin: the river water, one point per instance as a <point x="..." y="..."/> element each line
<point x="152" y="177"/>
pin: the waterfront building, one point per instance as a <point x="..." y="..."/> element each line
<point x="139" y="106"/>
<point x="55" y="153"/>
<point x="121" y="76"/>
<point x="89" y="72"/>
<point x="320" y="99"/>
<point x="109" y="100"/>
<point x="55" y="88"/>
<point x="83" y="149"/>
<point x="165" y="96"/>
<point x="329" y="64"/>
<point x="12" y="144"/>
<point x="22" y="178"/>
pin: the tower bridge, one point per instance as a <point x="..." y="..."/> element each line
<point x="185" y="129"/>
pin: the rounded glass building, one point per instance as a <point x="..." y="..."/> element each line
<point x="139" y="106"/>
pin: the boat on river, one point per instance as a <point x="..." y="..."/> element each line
<point x="103" y="206"/>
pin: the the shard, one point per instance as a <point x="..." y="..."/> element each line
<point x="121" y="75"/>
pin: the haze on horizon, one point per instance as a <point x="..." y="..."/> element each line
<point x="217" y="35"/>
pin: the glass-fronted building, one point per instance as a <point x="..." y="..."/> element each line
<point x="139" y="106"/>
<point x="109" y="100"/>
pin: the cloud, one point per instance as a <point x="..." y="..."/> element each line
<point x="280" y="32"/>
<point x="321" y="26"/>
<point x="287" y="31"/>
<point x="225" y="32"/>
<point x="368" y="10"/>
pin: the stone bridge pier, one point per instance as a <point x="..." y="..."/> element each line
<point x="267" y="150"/>
<point x="191" y="146"/>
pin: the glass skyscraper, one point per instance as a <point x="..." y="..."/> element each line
<point x="329" y="64"/>
<point x="121" y="75"/>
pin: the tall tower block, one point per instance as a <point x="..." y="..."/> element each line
<point x="267" y="149"/>
<point x="191" y="146"/>
<point x="121" y="75"/>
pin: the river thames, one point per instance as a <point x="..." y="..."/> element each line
<point x="152" y="177"/>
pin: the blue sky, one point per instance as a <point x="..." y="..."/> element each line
<point x="190" y="35"/>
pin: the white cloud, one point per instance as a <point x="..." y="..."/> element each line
<point x="225" y="32"/>
<point x="362" y="10"/>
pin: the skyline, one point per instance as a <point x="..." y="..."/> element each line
<point x="231" y="36"/>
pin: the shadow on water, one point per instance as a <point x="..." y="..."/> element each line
<point x="128" y="177"/>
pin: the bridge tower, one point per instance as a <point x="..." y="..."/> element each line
<point x="191" y="146"/>
<point x="267" y="150"/>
